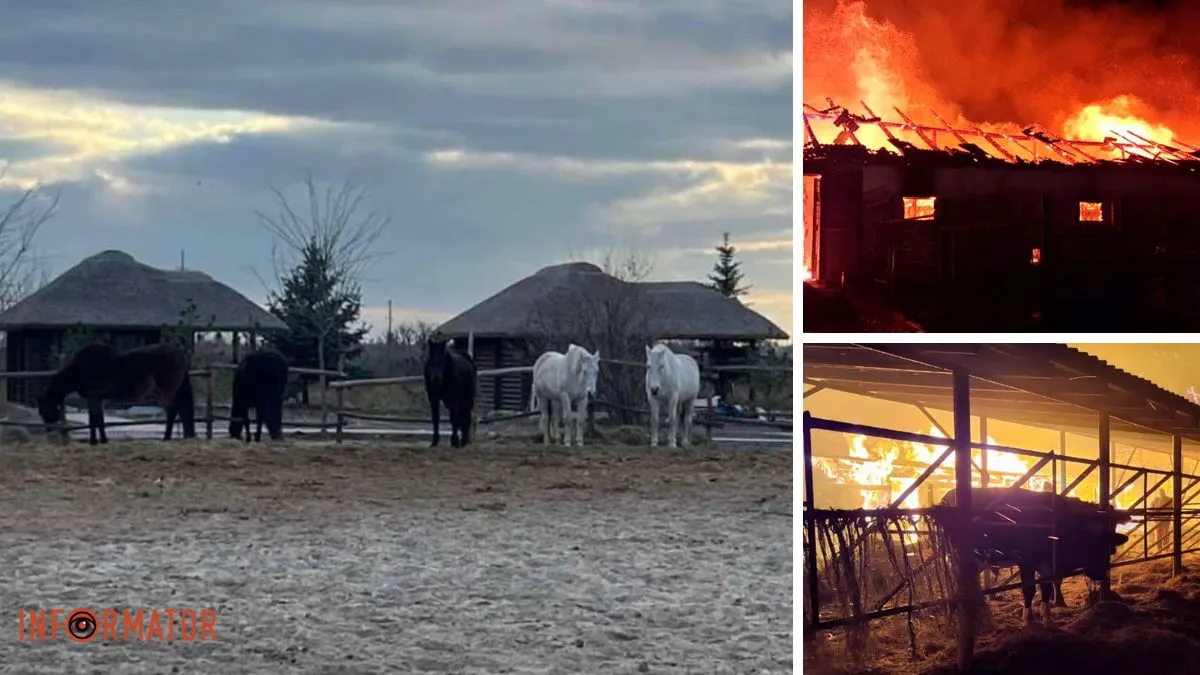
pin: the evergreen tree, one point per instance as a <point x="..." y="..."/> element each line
<point x="726" y="277"/>
<point x="320" y="305"/>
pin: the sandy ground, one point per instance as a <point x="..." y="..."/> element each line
<point x="357" y="559"/>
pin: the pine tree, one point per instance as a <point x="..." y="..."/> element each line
<point x="319" y="305"/>
<point x="726" y="277"/>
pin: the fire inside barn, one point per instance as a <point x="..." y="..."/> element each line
<point x="960" y="228"/>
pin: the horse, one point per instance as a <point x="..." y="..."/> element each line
<point x="99" y="371"/>
<point x="563" y="379"/>
<point x="450" y="378"/>
<point x="672" y="380"/>
<point x="259" y="382"/>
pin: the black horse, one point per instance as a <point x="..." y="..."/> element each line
<point x="259" y="382"/>
<point x="99" y="372"/>
<point x="450" y="379"/>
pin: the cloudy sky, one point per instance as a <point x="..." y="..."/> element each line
<point x="500" y="135"/>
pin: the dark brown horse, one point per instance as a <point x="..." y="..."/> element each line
<point x="99" y="372"/>
<point x="450" y="379"/>
<point x="259" y="383"/>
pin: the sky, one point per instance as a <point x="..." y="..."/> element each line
<point x="500" y="136"/>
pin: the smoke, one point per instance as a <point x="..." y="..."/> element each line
<point x="1007" y="61"/>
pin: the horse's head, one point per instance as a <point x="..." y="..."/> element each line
<point x="436" y="356"/>
<point x="590" y="365"/>
<point x="655" y="365"/>
<point x="50" y="410"/>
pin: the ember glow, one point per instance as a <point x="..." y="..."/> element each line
<point x="1001" y="67"/>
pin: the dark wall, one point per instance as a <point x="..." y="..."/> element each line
<point x="1137" y="266"/>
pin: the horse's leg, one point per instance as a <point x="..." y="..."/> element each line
<point x="689" y="415"/>
<point x="580" y="418"/>
<point x="653" y="401"/>
<point x="95" y="411"/>
<point x="275" y="424"/>
<point x="259" y="412"/>
<point x="564" y="402"/>
<point x="467" y="412"/>
<point x="673" y="419"/>
<point x="1047" y="589"/>
<point x="456" y="428"/>
<point x="172" y="413"/>
<point x="1028" y="585"/>
<point x="544" y="419"/>
<point x="434" y="412"/>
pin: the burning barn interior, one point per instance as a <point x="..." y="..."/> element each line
<point x="961" y="228"/>
<point x="879" y="457"/>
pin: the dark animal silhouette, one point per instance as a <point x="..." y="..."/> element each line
<point x="450" y="378"/>
<point x="1013" y="528"/>
<point x="259" y="382"/>
<point x="98" y="372"/>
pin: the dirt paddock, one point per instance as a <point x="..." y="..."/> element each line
<point x="390" y="558"/>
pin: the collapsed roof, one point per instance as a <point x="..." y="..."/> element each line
<point x="1034" y="145"/>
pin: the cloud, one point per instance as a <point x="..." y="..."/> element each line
<point x="80" y="135"/>
<point x="500" y="136"/>
<point x="696" y="190"/>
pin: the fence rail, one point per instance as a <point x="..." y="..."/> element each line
<point x="337" y="381"/>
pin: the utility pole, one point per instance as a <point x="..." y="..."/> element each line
<point x="181" y="267"/>
<point x="389" y="337"/>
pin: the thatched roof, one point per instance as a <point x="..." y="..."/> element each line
<point x="112" y="290"/>
<point x="673" y="309"/>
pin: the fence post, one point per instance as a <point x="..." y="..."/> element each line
<point x="1177" y="506"/>
<point x="1105" y="498"/>
<point x="810" y="524"/>
<point x="968" y="575"/>
<point x="341" y="420"/>
<point x="496" y="383"/>
<point x="208" y="405"/>
<point x="712" y="413"/>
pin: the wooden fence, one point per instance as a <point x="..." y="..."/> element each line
<point x="337" y="382"/>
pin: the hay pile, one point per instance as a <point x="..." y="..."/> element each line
<point x="1153" y="625"/>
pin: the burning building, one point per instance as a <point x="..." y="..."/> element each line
<point x="968" y="229"/>
<point x="976" y="166"/>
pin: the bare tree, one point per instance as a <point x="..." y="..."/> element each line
<point x="326" y="250"/>
<point x="609" y="314"/>
<point x="21" y="272"/>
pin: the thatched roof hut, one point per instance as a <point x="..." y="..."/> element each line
<point x="111" y="290"/>
<point x="684" y="310"/>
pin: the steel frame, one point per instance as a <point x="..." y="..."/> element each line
<point x="1184" y="495"/>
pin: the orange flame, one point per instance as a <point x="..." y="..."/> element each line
<point x="851" y="57"/>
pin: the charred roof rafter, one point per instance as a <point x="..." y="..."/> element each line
<point x="1134" y="148"/>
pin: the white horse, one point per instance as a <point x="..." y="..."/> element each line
<point x="558" y="381"/>
<point x="672" y="380"/>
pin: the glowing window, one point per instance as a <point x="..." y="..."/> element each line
<point x="1091" y="212"/>
<point x="1035" y="258"/>
<point x="919" y="207"/>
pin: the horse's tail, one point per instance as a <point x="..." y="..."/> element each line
<point x="185" y="406"/>
<point x="533" y="396"/>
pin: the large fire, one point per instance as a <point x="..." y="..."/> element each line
<point x="932" y="71"/>
<point x="883" y="469"/>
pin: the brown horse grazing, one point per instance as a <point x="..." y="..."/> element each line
<point x="98" y="372"/>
